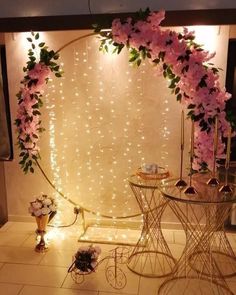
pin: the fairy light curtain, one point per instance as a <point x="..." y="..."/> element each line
<point x="105" y="119"/>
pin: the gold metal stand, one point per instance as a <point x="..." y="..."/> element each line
<point x="42" y="222"/>
<point x="201" y="269"/>
<point x="151" y="257"/>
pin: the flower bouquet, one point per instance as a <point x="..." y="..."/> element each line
<point x="43" y="205"/>
<point x="43" y="208"/>
<point x="85" y="260"/>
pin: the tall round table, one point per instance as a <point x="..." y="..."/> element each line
<point x="151" y="257"/>
<point x="208" y="258"/>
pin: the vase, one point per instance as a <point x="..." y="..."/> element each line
<point x="42" y="222"/>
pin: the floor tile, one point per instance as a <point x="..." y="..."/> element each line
<point x="111" y="293"/>
<point x="26" y="227"/>
<point x="19" y="255"/>
<point x="10" y="289"/>
<point x="128" y="281"/>
<point x="33" y="275"/>
<point x="232" y="284"/>
<point x="232" y="240"/>
<point x="128" y="235"/>
<point x="6" y="226"/>
<point x="35" y="290"/>
<point x="54" y="242"/>
<point x="176" y="250"/>
<point x="179" y="237"/>
<point x="151" y="285"/>
<point x="168" y="235"/>
<point x="58" y="258"/>
<point x="10" y="239"/>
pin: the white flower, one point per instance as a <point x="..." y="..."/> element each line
<point x="42" y="205"/>
<point x="45" y="210"/>
<point x="38" y="213"/>
<point x="47" y="202"/>
<point x="31" y="210"/>
<point x="53" y="208"/>
<point x="93" y="264"/>
<point x="83" y="249"/>
<point x="36" y="205"/>
<point x="97" y="249"/>
<point x="95" y="255"/>
<point x="40" y="198"/>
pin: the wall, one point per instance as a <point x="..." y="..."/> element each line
<point x="103" y="120"/>
<point x="3" y="201"/>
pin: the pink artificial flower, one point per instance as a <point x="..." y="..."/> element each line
<point x="155" y="18"/>
<point x="121" y="32"/>
<point x="39" y="72"/>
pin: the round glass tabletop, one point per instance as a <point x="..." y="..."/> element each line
<point x="205" y="193"/>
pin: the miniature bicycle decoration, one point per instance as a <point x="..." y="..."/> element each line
<point x="86" y="261"/>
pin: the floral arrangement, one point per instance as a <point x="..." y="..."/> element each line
<point x="186" y="65"/>
<point x="37" y="72"/>
<point x="86" y="258"/>
<point x="43" y="205"/>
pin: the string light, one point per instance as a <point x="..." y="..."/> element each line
<point x="102" y="126"/>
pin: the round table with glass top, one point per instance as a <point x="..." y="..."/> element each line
<point x="151" y="257"/>
<point x="208" y="258"/>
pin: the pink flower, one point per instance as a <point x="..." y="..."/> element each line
<point x="155" y="18"/>
<point x="39" y="72"/>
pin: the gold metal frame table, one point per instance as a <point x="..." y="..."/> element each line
<point x="207" y="258"/>
<point x="151" y="257"/>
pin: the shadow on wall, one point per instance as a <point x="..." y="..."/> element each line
<point x="6" y="151"/>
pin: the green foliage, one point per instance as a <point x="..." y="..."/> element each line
<point x="46" y="57"/>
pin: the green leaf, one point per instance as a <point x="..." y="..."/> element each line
<point x="58" y="75"/>
<point x="26" y="169"/>
<point x="139" y="62"/>
<point x="172" y="85"/>
<point x="22" y="162"/>
<point x="96" y="28"/>
<point x="133" y="58"/>
<point x="191" y="106"/>
<point x="36" y="36"/>
<point x="56" y="68"/>
<point x="29" y="39"/>
<point x="177" y="79"/>
<point x="177" y="90"/>
<point x="156" y="61"/>
<point x="26" y="156"/>
<point x="179" y="97"/>
<point x="41" y="44"/>
<point x="33" y="46"/>
<point x="36" y="112"/>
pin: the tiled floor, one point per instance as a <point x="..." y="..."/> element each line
<point x="25" y="272"/>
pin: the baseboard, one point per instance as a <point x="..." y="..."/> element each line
<point x="20" y="218"/>
<point x="132" y="224"/>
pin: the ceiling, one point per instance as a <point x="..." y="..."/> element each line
<point x="26" y="8"/>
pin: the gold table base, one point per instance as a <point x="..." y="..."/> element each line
<point x="151" y="257"/>
<point x="201" y="268"/>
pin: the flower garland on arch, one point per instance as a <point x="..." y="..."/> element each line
<point x="28" y="123"/>
<point x="193" y="79"/>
